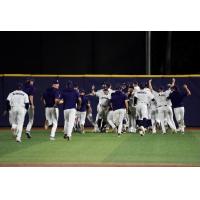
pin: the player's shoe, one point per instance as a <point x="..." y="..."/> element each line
<point x="65" y="136"/>
<point x="141" y="133"/>
<point x="52" y="138"/>
<point x="119" y="134"/>
<point x="69" y="138"/>
<point x="174" y="131"/>
<point x="18" y="140"/>
<point x="115" y="130"/>
<point x="96" y="129"/>
<point x="28" y="135"/>
<point x="142" y="130"/>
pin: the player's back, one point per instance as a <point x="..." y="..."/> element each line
<point x="18" y="98"/>
<point x="118" y="100"/>
<point x="103" y="97"/>
<point x="70" y="98"/>
<point x="143" y="96"/>
<point x="84" y="102"/>
<point x="161" y="98"/>
<point x="50" y="95"/>
<point x="29" y="89"/>
<point x="177" y="98"/>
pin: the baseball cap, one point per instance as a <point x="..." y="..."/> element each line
<point x="69" y="84"/>
<point x="55" y="82"/>
<point x="118" y="86"/>
<point x="82" y="91"/>
<point x="19" y="86"/>
<point x="142" y="85"/>
<point x="30" y="79"/>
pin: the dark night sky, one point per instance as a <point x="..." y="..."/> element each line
<point x="98" y="52"/>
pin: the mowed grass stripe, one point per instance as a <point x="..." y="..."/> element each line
<point x="158" y="149"/>
<point x="94" y="148"/>
<point x="90" y="147"/>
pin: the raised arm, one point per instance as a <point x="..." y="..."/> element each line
<point x="172" y="84"/>
<point x="187" y="90"/>
<point x="150" y="85"/>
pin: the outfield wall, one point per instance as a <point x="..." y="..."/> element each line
<point x="8" y="82"/>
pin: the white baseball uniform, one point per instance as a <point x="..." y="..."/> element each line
<point x="143" y="98"/>
<point x="162" y="107"/>
<point x="17" y="100"/>
<point x="103" y="104"/>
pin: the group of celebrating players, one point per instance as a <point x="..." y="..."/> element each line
<point x="126" y="108"/>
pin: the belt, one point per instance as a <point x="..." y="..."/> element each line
<point x="161" y="106"/>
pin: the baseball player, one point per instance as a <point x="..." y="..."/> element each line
<point x="30" y="90"/>
<point x="103" y="106"/>
<point x="141" y="100"/>
<point x="131" y="110"/>
<point x="71" y="100"/>
<point x="51" y="100"/>
<point x="136" y="87"/>
<point x="81" y="112"/>
<point x="17" y="105"/>
<point x="176" y="98"/>
<point x="119" y="104"/>
<point x="162" y="108"/>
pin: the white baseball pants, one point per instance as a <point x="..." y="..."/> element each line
<point x="30" y="112"/>
<point x="164" y="116"/>
<point x="81" y="117"/>
<point x="142" y="111"/>
<point x="154" y="119"/>
<point x="179" y="114"/>
<point x="170" y="118"/>
<point x="118" y="116"/>
<point x="18" y="115"/>
<point x="52" y="115"/>
<point x="110" y="119"/>
<point x="69" y="117"/>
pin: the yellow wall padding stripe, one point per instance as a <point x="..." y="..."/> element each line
<point x="100" y="76"/>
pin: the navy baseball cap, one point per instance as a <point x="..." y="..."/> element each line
<point x="29" y="79"/>
<point x="118" y="86"/>
<point x="82" y="91"/>
<point x="55" y="82"/>
<point x="142" y="85"/>
<point x="69" y="84"/>
<point x="19" y="86"/>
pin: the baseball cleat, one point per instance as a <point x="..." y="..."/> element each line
<point x="141" y="133"/>
<point x="52" y="138"/>
<point x="65" y="136"/>
<point x="69" y="138"/>
<point x="28" y="135"/>
<point x="18" y="140"/>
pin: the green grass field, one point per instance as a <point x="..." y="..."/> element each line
<point x="107" y="149"/>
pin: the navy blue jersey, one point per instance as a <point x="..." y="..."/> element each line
<point x="84" y="103"/>
<point x="70" y="98"/>
<point x="177" y="99"/>
<point x="50" y="95"/>
<point x="118" y="100"/>
<point x="29" y="89"/>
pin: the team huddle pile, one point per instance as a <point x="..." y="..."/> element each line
<point x="128" y="107"/>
